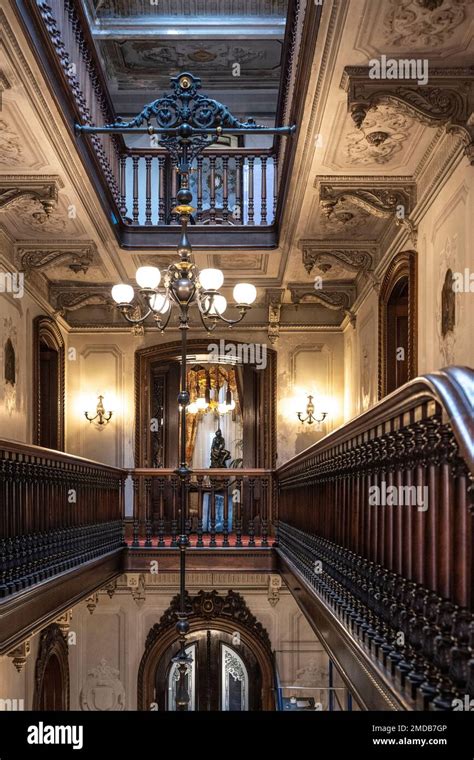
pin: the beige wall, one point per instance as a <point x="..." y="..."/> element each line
<point x="360" y="359"/>
<point x="105" y="363"/>
<point x="445" y="240"/>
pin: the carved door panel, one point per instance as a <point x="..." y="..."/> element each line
<point x="223" y="676"/>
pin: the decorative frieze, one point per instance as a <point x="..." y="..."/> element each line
<point x="77" y="256"/>
<point x="336" y="295"/>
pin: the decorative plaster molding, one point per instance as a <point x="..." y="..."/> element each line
<point x="20" y="654"/>
<point x="414" y="23"/>
<point x="274" y="301"/>
<point x="274" y="586"/>
<point x="74" y="296"/>
<point x="382" y="197"/>
<point x="447" y="100"/>
<point x="102" y="690"/>
<point x="361" y="260"/>
<point x="336" y="295"/>
<point x="78" y="256"/>
<point x="43" y="189"/>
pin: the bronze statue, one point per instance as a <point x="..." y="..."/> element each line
<point x="219" y="454"/>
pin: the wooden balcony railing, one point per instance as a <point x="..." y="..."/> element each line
<point x="399" y="574"/>
<point x="231" y="186"/>
<point x="56" y="512"/>
<point x="226" y="508"/>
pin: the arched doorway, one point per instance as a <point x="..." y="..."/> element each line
<point x="397" y="323"/>
<point x="52" y="671"/>
<point x="232" y="665"/>
<point x="51" y="695"/>
<point x="48" y="384"/>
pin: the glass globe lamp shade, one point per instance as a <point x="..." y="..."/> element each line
<point x="159" y="303"/>
<point x="211" y="279"/>
<point x="123" y="293"/>
<point x="192" y="408"/>
<point x="201" y="403"/>
<point x="245" y="293"/>
<point x="219" y="305"/>
<point x="148" y="278"/>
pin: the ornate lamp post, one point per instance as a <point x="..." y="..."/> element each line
<point x="187" y="123"/>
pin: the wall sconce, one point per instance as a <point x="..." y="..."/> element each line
<point x="310" y="415"/>
<point x="102" y="417"/>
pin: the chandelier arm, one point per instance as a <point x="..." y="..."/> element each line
<point x="208" y="328"/>
<point x="199" y="300"/>
<point x="163" y="325"/>
<point x="138" y="321"/>
<point x="232" y="321"/>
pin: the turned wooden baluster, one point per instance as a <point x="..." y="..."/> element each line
<point x="148" y="533"/>
<point x="136" y="498"/>
<point x="212" y="507"/>
<point x="123" y="197"/>
<point x="199" y="190"/>
<point x="212" y="189"/>
<point x="433" y="438"/>
<point x="174" y="521"/>
<point x="238" y="211"/>
<point x="445" y="522"/>
<point x="200" y="479"/>
<point x="275" y="185"/>
<point x="161" y="519"/>
<point x="264" y="509"/>
<point x="161" y="190"/>
<point x="225" y="189"/>
<point x="225" y="527"/>
<point x="462" y="536"/>
<point x="148" y="191"/>
<point x="251" y="213"/>
<point x="251" y="483"/>
<point x="237" y="497"/>
<point x="135" y="160"/>
<point x="420" y="517"/>
<point x="263" y="215"/>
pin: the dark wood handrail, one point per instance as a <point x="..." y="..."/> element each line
<point x="51" y="455"/>
<point x="223" y="152"/>
<point x="452" y="388"/>
<point x="150" y="472"/>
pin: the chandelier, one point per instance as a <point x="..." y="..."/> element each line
<point x="183" y="285"/>
<point x="208" y="398"/>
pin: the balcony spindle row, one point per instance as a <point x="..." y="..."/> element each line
<point x="225" y="508"/>
<point x="228" y="188"/>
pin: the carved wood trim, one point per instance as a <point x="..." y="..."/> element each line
<point x="206" y="610"/>
<point x="52" y="644"/>
<point x="46" y="330"/>
<point x="266" y="453"/>
<point x="404" y="264"/>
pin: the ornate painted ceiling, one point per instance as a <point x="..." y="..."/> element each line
<point x="142" y="45"/>
<point x="360" y="156"/>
